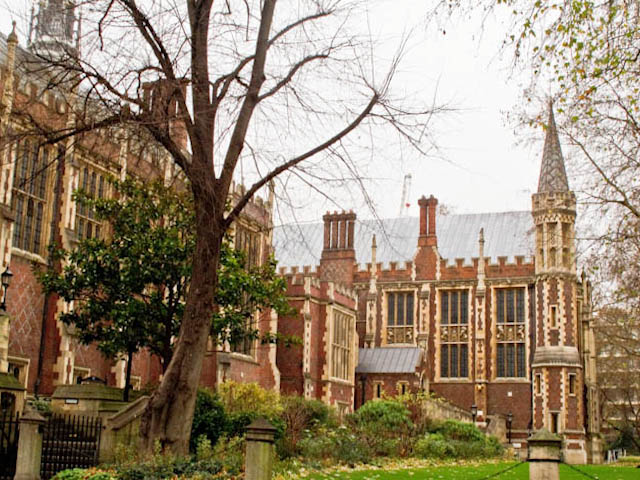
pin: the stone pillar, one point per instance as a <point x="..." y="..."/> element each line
<point x="29" y="446"/>
<point x="260" y="452"/>
<point x="544" y="455"/>
<point x="4" y="342"/>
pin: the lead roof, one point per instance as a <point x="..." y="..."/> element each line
<point x="507" y="234"/>
<point x="388" y="360"/>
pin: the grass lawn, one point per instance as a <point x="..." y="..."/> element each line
<point x="478" y="472"/>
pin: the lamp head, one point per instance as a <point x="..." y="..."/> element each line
<point x="6" y="277"/>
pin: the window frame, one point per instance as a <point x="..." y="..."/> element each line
<point x="342" y="345"/>
<point x="83" y="215"/>
<point x="400" y="333"/>
<point x="454" y="333"/>
<point x="31" y="230"/>
<point x="510" y="332"/>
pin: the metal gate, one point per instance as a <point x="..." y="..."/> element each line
<point x="8" y="444"/>
<point x="69" y="441"/>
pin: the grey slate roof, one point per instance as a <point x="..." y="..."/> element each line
<point x="506" y="234"/>
<point x="388" y="360"/>
<point x="553" y="176"/>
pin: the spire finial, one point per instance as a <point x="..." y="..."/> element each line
<point x="553" y="175"/>
<point x="13" y="36"/>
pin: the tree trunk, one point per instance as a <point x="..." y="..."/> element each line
<point x="127" y="380"/>
<point x="169" y="414"/>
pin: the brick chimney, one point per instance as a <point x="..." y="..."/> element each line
<point x="337" y="262"/>
<point x="428" y="235"/>
<point x="161" y="99"/>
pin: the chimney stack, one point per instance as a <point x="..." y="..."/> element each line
<point x="338" y="255"/>
<point x="428" y="221"/>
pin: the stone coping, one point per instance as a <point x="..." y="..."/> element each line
<point x="9" y="382"/>
<point x="92" y="391"/>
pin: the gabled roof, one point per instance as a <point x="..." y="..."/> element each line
<point x="507" y="234"/>
<point x="388" y="360"/>
<point x="553" y="175"/>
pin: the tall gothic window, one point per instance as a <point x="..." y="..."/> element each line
<point x="248" y="241"/>
<point x="342" y="346"/>
<point x="400" y="311"/>
<point x="454" y="333"/>
<point x="30" y="185"/>
<point x="510" y="332"/>
<point x="94" y="185"/>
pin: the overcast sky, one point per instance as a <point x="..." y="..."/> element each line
<point x="479" y="167"/>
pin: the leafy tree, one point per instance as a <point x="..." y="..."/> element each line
<point x="271" y="84"/>
<point x="128" y="289"/>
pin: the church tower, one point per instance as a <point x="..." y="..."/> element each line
<point x="54" y="30"/>
<point x="557" y="371"/>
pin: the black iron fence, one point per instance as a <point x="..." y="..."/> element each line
<point x="8" y="444"/>
<point x="69" y="441"/>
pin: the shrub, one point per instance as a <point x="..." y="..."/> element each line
<point x="433" y="445"/>
<point x="384" y="426"/>
<point x="249" y="397"/>
<point x="339" y="445"/>
<point x="209" y="418"/>
<point x="454" y="439"/>
<point x="299" y="414"/>
<point x="455" y="430"/>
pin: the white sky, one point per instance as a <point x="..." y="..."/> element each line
<point x="481" y="169"/>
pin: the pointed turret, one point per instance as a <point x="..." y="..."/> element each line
<point x="553" y="175"/>
<point x="56" y="29"/>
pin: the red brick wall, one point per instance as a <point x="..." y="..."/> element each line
<point x="25" y="302"/>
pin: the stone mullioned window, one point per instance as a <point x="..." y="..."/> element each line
<point x="33" y="166"/>
<point x="454" y="334"/>
<point x="400" y="317"/>
<point x="510" y="332"/>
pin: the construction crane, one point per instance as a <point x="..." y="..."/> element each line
<point x="406" y="192"/>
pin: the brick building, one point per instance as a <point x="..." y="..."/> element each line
<point x="481" y="309"/>
<point x="37" y="208"/>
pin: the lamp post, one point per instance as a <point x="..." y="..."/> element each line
<point x="5" y="279"/>
<point x="474" y="412"/>
<point x="509" y="423"/>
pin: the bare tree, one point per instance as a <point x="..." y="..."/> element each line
<point x="262" y="84"/>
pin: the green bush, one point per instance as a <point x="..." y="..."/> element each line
<point x="453" y="439"/>
<point x="384" y="426"/>
<point x="433" y="445"/>
<point x="299" y="415"/>
<point x="83" y="474"/>
<point x="455" y="430"/>
<point x="209" y="418"/>
<point x="339" y="445"/>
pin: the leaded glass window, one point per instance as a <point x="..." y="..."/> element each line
<point x="510" y="332"/>
<point x="454" y="333"/>
<point x="30" y="189"/>
<point x="400" y="317"/>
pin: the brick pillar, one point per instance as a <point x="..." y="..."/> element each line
<point x="423" y="216"/>
<point x="327" y="230"/>
<point x="260" y="452"/>
<point x="342" y="243"/>
<point x="334" y="233"/>
<point x="432" y="203"/>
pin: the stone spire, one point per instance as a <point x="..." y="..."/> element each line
<point x="553" y="176"/>
<point x="56" y="29"/>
